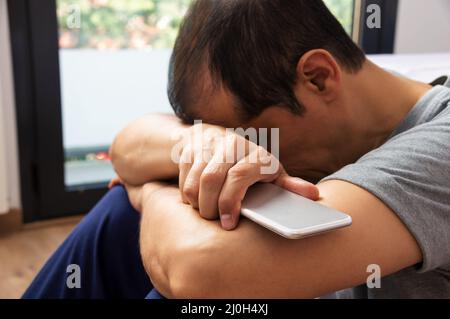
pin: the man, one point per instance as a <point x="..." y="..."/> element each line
<point x="376" y="145"/>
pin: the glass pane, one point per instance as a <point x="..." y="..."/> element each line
<point x="343" y="10"/>
<point x="114" y="57"/>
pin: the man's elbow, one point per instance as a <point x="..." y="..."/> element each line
<point x="188" y="272"/>
<point x="193" y="279"/>
<point x="122" y="161"/>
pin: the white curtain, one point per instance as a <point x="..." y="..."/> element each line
<point x="9" y="176"/>
<point x="4" y="205"/>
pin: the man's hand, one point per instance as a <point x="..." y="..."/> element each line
<point x="116" y="180"/>
<point x="139" y="195"/>
<point x="217" y="167"/>
<point x="135" y="193"/>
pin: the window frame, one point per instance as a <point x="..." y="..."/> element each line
<point x="35" y="51"/>
<point x="34" y="40"/>
<point x="376" y="41"/>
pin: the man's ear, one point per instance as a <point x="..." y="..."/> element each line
<point x="319" y="72"/>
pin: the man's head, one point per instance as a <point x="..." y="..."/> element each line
<point x="237" y="62"/>
<point x="251" y="48"/>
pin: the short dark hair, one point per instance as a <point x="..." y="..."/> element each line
<point x="251" y="48"/>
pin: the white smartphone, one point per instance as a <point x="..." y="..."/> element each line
<point x="290" y="215"/>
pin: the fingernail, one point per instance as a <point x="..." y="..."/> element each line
<point x="227" y="221"/>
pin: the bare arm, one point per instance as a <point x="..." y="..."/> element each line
<point x="160" y="147"/>
<point x="142" y="151"/>
<point x="187" y="256"/>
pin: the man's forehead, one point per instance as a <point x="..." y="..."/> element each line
<point x="217" y="106"/>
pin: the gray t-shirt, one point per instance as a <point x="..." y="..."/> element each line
<point x="411" y="174"/>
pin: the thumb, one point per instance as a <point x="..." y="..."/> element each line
<point x="298" y="186"/>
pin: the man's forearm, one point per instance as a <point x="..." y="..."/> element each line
<point x="187" y="256"/>
<point x="166" y="255"/>
<point x="142" y="151"/>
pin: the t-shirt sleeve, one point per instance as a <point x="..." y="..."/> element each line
<point x="411" y="175"/>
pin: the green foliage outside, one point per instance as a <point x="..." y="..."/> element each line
<point x="118" y="24"/>
<point x="138" y="24"/>
<point x="343" y="10"/>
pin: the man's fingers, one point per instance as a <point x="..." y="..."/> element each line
<point x="298" y="186"/>
<point x="186" y="161"/>
<point x="240" y="177"/>
<point x="191" y="187"/>
<point x="211" y="183"/>
<point x="206" y="177"/>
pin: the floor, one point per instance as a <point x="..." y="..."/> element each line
<point x="24" y="251"/>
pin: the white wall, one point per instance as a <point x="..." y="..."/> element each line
<point x="423" y="26"/>
<point x="7" y="117"/>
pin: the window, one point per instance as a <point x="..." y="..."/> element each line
<point x="114" y="56"/>
<point x="83" y="70"/>
<point x="343" y="10"/>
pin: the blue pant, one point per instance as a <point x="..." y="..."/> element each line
<point x="105" y="246"/>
